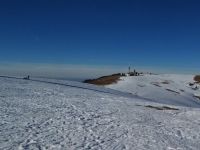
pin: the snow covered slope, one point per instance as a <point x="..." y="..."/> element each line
<point x="55" y="114"/>
<point x="166" y="89"/>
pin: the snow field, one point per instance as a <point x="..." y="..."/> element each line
<point x="55" y="114"/>
<point x="169" y="89"/>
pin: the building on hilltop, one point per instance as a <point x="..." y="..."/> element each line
<point x="134" y="73"/>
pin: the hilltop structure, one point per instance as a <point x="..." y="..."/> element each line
<point x="134" y="73"/>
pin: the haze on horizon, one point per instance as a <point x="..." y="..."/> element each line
<point x="88" y="39"/>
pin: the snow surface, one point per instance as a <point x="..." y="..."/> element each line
<point x="153" y="88"/>
<point x="58" y="114"/>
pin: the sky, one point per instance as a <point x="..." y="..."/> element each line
<point x="90" y="38"/>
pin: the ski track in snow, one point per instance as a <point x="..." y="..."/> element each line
<point x="54" y="114"/>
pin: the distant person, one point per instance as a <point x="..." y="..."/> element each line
<point x="26" y="77"/>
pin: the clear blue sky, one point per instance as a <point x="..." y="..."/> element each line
<point x="161" y="34"/>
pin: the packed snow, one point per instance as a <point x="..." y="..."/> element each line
<point x="57" y="114"/>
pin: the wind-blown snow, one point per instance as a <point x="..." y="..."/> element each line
<point x="55" y="114"/>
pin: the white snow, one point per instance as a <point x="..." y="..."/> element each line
<point x="154" y="88"/>
<point x="57" y="114"/>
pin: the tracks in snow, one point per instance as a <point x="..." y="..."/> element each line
<point x="56" y="117"/>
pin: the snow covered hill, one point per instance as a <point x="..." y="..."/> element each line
<point x="57" y="114"/>
<point x="173" y="89"/>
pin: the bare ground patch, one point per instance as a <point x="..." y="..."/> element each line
<point x="155" y="83"/>
<point x="191" y="84"/>
<point x="165" y="82"/>
<point x="141" y="85"/>
<point x="195" y="88"/>
<point x="162" y="108"/>
<point x="172" y="91"/>
<point x="182" y="90"/>
<point x="169" y="108"/>
<point x="197" y="78"/>
<point x="157" y="108"/>
<point x="104" y="80"/>
<point x="198" y="97"/>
